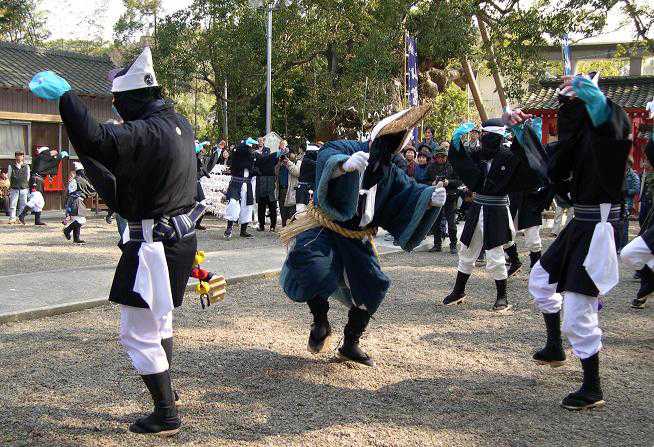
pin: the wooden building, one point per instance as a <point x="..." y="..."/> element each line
<point x="27" y="122"/>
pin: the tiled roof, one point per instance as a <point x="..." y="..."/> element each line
<point x="627" y="91"/>
<point x="86" y="74"/>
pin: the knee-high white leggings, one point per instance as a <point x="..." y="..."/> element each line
<point x="636" y="254"/>
<point x="494" y="257"/>
<point x="141" y="334"/>
<point x="580" y="317"/>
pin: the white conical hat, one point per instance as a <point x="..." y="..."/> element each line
<point x="42" y="149"/>
<point x="78" y="166"/>
<point x="139" y="75"/>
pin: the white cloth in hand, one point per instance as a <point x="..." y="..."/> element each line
<point x="357" y="162"/>
<point x="439" y="196"/>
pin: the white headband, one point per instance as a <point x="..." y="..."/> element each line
<point x="500" y="130"/>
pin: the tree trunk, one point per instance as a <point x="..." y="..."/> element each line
<point x="490" y="56"/>
<point x="474" y="89"/>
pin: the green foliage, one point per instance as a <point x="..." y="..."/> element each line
<point x="21" y="23"/>
<point x="88" y="47"/>
<point x="449" y="109"/>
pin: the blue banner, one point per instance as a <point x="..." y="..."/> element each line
<point x="567" y="60"/>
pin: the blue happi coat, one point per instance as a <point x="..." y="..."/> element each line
<point x="324" y="263"/>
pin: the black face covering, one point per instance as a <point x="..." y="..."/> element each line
<point x="242" y="158"/>
<point x="490" y="145"/>
<point x="381" y="155"/>
<point x="133" y="104"/>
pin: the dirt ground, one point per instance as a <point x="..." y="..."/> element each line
<point x="456" y="376"/>
<point x="29" y="248"/>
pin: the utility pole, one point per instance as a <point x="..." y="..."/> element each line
<point x="225" y="125"/>
<point x="490" y="56"/>
<point x="269" y="71"/>
<point x="472" y="82"/>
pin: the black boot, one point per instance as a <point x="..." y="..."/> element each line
<point x="646" y="288"/>
<point x="37" y="218"/>
<point x="244" y="231"/>
<point x="438" y="244"/>
<point x="357" y="322"/>
<point x="590" y="394"/>
<point x="552" y="354"/>
<point x="459" y="292"/>
<point x="534" y="257"/>
<point x="164" y="421"/>
<point x="167" y="344"/>
<point x="228" y="231"/>
<point x="501" y="301"/>
<point x="321" y="331"/>
<point x="76" y="233"/>
<point x="514" y="260"/>
<point x="21" y="216"/>
<point x="68" y="230"/>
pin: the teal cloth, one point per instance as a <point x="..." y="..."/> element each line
<point x="459" y="133"/>
<point x="49" y="86"/>
<point x="593" y="99"/>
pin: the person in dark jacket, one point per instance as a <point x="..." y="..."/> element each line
<point x="440" y="171"/>
<point x="421" y="173"/>
<point x="145" y="170"/>
<point x="491" y="173"/>
<point x="265" y="193"/>
<point x="582" y="263"/>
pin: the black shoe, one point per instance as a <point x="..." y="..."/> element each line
<point x="200" y="227"/>
<point x="454" y="250"/>
<point x="534" y="257"/>
<point x="501" y="301"/>
<point x="646" y="288"/>
<point x="77" y="228"/>
<point x="41" y="224"/>
<point x="260" y="229"/>
<point x="481" y="260"/>
<point x="67" y="232"/>
<point x="21" y="218"/>
<point x="164" y="420"/>
<point x="321" y="331"/>
<point x="514" y="260"/>
<point x="459" y="293"/>
<point x="228" y="234"/>
<point x="636" y="276"/>
<point x="436" y="249"/>
<point x="244" y="232"/>
<point x="590" y="394"/>
<point x="109" y="218"/>
<point x="350" y="351"/>
<point x="552" y="354"/>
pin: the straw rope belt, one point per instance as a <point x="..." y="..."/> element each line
<point x="314" y="217"/>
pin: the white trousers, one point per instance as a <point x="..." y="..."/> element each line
<point x="533" y="241"/>
<point x="636" y="254"/>
<point x="17" y="197"/>
<point x="580" y="313"/>
<point x="141" y="334"/>
<point x="236" y="211"/>
<point x="494" y="257"/>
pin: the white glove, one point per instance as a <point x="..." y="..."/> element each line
<point x="357" y="162"/>
<point x="438" y="197"/>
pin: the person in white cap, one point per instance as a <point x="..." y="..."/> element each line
<point x="582" y="264"/>
<point x="145" y="170"/>
<point x="358" y="189"/>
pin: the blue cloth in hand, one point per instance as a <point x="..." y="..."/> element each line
<point x="460" y="132"/>
<point x="593" y="98"/>
<point x="63" y="154"/>
<point x="48" y="85"/>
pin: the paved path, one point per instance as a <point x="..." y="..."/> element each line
<point x="54" y="291"/>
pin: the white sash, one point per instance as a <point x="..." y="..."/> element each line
<point x="601" y="262"/>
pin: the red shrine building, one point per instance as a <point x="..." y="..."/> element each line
<point x="632" y="93"/>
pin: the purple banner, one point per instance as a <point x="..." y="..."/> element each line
<point x="412" y="75"/>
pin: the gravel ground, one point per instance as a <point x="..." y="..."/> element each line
<point x="27" y="249"/>
<point x="458" y="376"/>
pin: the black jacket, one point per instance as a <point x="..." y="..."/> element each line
<point x="439" y="172"/>
<point x="142" y="169"/>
